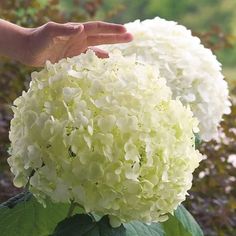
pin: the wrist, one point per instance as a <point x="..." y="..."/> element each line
<point x="14" y="44"/>
<point x="23" y="54"/>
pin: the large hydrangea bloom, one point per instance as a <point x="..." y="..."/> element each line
<point x="106" y="134"/>
<point x="192" y="71"/>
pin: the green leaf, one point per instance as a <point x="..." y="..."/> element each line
<point x="77" y="225"/>
<point x="21" y="197"/>
<point x="82" y="224"/>
<point x="106" y="229"/>
<point x="137" y="228"/>
<point x="23" y="210"/>
<point x="24" y="216"/>
<point x="182" y="224"/>
<point x="198" y="140"/>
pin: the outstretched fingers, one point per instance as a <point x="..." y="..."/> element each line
<point x="99" y="39"/>
<point x="99" y="27"/>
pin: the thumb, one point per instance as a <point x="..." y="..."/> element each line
<point x="57" y="29"/>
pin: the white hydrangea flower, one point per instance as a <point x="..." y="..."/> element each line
<point x="192" y="71"/>
<point x="106" y="134"/>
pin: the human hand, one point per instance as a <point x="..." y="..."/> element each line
<point x="54" y="41"/>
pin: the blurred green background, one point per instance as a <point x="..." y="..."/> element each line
<point x="212" y="199"/>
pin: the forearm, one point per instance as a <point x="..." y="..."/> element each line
<point x="13" y="40"/>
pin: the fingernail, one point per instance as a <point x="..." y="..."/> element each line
<point x="128" y="36"/>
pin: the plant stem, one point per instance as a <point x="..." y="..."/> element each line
<point x="71" y="209"/>
<point x="91" y="215"/>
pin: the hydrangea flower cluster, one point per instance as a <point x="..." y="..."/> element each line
<point x="106" y="134"/>
<point x="192" y="71"/>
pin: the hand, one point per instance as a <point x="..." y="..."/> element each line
<point x="54" y="41"/>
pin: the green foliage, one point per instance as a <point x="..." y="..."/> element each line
<point x="84" y="225"/>
<point x="182" y="224"/>
<point x="197" y="140"/>
<point x="36" y="220"/>
<point x="169" y="9"/>
<point x="137" y="228"/>
<point x="30" y="218"/>
<point x="200" y="16"/>
<point x="12" y="202"/>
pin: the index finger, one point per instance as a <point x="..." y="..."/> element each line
<point x="99" y="39"/>
<point x="97" y="27"/>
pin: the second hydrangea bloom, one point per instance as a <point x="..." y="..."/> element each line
<point x="192" y="71"/>
<point x="106" y="134"/>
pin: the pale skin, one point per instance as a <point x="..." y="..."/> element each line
<point x="53" y="41"/>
